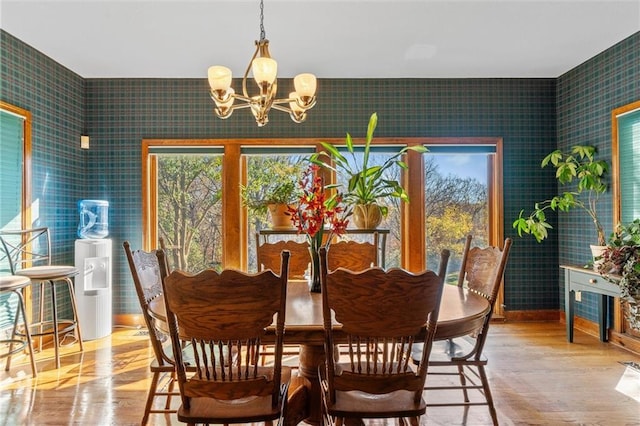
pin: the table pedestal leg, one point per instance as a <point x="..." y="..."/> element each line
<point x="311" y="357"/>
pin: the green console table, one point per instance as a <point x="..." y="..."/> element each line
<point x="581" y="279"/>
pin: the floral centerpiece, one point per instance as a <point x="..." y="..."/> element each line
<point x="318" y="216"/>
<point x="621" y="265"/>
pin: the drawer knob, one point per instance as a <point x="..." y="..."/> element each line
<point x="593" y="281"/>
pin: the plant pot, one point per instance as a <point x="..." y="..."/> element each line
<point x="596" y="252"/>
<point x="279" y="217"/>
<point x="367" y="216"/>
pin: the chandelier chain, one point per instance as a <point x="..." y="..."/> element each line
<point x="262" y="32"/>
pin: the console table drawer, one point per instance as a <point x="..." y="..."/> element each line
<point x="591" y="281"/>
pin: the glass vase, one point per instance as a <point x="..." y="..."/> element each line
<point x="314" y="276"/>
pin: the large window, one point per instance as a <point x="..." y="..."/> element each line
<point x="266" y="170"/>
<point x="456" y="201"/>
<point x="15" y="189"/>
<point x="454" y="189"/>
<point x="393" y="249"/>
<point x="188" y="194"/>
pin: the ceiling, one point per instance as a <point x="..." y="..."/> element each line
<point x="330" y="38"/>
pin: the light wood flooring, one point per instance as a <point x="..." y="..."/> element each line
<point x="537" y="378"/>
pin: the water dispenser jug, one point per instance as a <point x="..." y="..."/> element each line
<point x="94" y="219"/>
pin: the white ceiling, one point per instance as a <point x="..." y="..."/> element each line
<point x="331" y="38"/>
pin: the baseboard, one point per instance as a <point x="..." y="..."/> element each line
<point x="539" y="315"/>
<point x="625" y="341"/>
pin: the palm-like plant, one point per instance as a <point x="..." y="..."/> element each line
<point x="367" y="183"/>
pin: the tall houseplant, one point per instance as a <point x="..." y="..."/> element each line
<point x="578" y="164"/>
<point x="367" y="184"/>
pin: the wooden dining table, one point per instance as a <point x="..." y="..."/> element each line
<point x="461" y="313"/>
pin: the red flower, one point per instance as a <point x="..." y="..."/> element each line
<point x="314" y="212"/>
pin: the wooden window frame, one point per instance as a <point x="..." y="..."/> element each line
<point x="234" y="173"/>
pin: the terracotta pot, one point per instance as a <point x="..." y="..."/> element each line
<point x="367" y="216"/>
<point x="279" y="217"/>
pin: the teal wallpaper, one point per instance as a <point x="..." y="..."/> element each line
<point x="121" y="113"/>
<point x="586" y="96"/>
<point x="529" y="114"/>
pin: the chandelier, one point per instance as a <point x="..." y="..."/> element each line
<point x="264" y="70"/>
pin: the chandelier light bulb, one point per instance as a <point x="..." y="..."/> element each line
<point x="219" y="78"/>
<point x="305" y="85"/>
<point x="264" y="70"/>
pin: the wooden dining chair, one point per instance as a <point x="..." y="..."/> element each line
<point x="268" y="256"/>
<point x="352" y="255"/>
<point x="224" y="316"/>
<point x="145" y="271"/>
<point x="382" y="314"/>
<point x="482" y="272"/>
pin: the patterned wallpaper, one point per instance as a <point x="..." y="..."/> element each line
<point x="121" y="112"/>
<point x="586" y="96"/>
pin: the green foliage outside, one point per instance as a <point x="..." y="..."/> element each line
<point x="189" y="210"/>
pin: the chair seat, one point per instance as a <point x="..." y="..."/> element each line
<point x="449" y="350"/>
<point x="13" y="282"/>
<point x="52" y="272"/>
<point x="359" y="404"/>
<point x="253" y="409"/>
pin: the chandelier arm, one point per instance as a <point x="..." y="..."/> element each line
<point x="240" y="106"/>
<point x="283" y="101"/>
<point x="242" y="98"/>
<point x="281" y="107"/>
<point x="246" y="73"/>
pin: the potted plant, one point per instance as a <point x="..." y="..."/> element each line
<point x="621" y="265"/>
<point x="578" y="163"/>
<point x="368" y="184"/>
<point x="274" y="198"/>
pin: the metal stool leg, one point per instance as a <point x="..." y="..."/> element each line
<point x="27" y="333"/>
<point x="54" y="309"/>
<point x="12" y="341"/>
<point x="76" y="319"/>
<point x="20" y="311"/>
<point x="41" y="317"/>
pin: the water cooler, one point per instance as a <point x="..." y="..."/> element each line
<point x="93" y="287"/>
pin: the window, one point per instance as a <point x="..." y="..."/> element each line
<point x="456" y="203"/>
<point x="414" y="226"/>
<point x="188" y="194"/>
<point x="267" y="169"/>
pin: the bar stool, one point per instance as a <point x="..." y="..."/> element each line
<point x="28" y="252"/>
<point x="14" y="284"/>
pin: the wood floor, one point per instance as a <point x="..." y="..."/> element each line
<point x="537" y="379"/>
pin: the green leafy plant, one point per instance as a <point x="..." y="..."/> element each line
<point x="578" y="164"/>
<point x="282" y="191"/>
<point x="366" y="183"/>
<point x="621" y="258"/>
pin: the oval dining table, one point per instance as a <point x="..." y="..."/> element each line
<point x="461" y="312"/>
